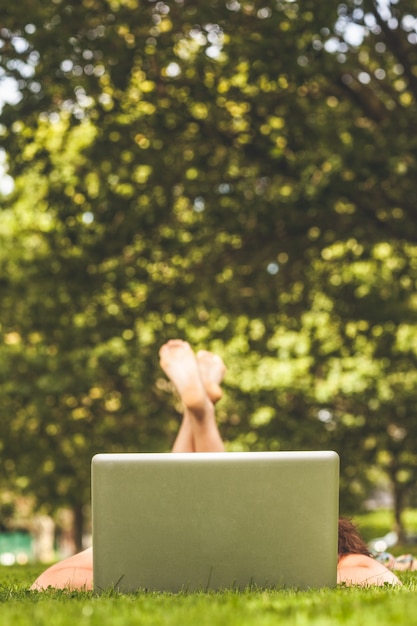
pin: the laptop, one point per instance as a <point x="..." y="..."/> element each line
<point x="212" y="521"/>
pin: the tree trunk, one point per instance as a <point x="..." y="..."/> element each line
<point x="78" y="525"/>
<point x="398" y="492"/>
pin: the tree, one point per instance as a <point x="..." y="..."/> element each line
<point x="187" y="169"/>
<point x="370" y="378"/>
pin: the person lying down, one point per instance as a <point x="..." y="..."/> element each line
<point x="197" y="378"/>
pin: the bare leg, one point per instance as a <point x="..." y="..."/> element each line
<point x="206" y="433"/>
<point x="212" y="370"/>
<point x="191" y="375"/>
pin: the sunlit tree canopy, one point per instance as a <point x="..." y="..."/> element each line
<point x="240" y="174"/>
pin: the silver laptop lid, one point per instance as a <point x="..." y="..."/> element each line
<point x="201" y="521"/>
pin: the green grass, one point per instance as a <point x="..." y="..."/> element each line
<point x="379" y="523"/>
<point x="326" y="607"/>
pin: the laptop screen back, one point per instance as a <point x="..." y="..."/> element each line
<point x="199" y="521"/>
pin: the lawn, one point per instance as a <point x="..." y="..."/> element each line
<point x="378" y="523"/>
<point x="325" y="607"/>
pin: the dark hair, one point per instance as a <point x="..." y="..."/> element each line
<point x="350" y="541"/>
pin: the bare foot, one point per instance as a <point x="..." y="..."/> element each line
<point x="179" y="363"/>
<point x="212" y="370"/>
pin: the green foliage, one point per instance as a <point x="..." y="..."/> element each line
<point x="239" y="174"/>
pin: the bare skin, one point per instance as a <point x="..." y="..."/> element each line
<point x="73" y="573"/>
<point x="364" y="571"/>
<point x="197" y="379"/>
<point x="212" y="371"/>
<point x="179" y="363"/>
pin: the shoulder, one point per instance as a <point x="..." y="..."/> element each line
<point x="359" y="569"/>
<point x="75" y="572"/>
